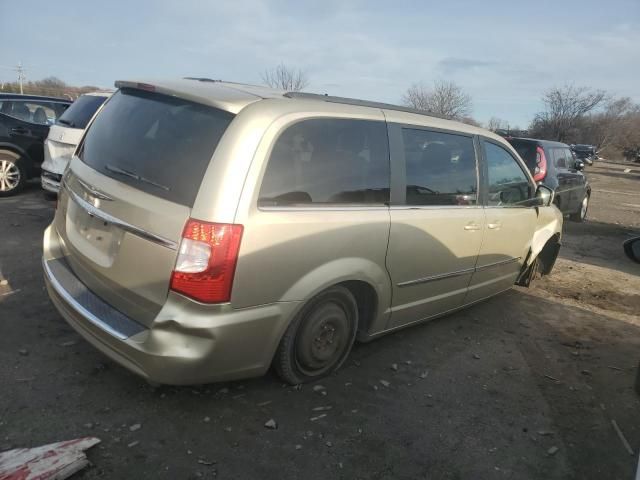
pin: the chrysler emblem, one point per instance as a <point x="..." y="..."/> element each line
<point x="61" y="136"/>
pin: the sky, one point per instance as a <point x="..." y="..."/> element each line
<point x="505" y="54"/>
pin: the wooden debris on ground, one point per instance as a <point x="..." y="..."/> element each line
<point x="55" y="461"/>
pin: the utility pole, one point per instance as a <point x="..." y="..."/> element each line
<point x="21" y="75"/>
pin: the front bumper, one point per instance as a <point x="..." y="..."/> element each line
<point x="187" y="343"/>
<point x="50" y="181"/>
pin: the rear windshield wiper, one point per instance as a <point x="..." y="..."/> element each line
<point x="66" y="122"/>
<point x="135" y="176"/>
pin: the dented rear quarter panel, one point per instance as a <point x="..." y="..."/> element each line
<point x="549" y="223"/>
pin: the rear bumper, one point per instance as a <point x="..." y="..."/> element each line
<point x="187" y="343"/>
<point x="50" y="181"/>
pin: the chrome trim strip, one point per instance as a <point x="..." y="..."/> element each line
<point x="319" y="208"/>
<point x="497" y="264"/>
<point x="434" y="207"/>
<point x="77" y="307"/>
<point x="456" y="274"/>
<point x="436" y="277"/>
<point x="93" y="191"/>
<point x="97" y="213"/>
<point x="356" y="208"/>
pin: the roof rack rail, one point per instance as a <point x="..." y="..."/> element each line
<point x="362" y="103"/>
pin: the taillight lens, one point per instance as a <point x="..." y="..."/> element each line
<point x="206" y="261"/>
<point x="541" y="165"/>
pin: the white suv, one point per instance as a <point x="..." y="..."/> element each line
<point x="65" y="135"/>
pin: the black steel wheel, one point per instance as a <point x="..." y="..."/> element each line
<point x="319" y="339"/>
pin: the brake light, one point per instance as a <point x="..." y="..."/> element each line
<point x="206" y="261"/>
<point x="540" y="170"/>
<point x="145" y="86"/>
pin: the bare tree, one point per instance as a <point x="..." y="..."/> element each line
<point x="285" y="78"/>
<point x="564" y="108"/>
<point x="495" y="123"/>
<point x="445" y="98"/>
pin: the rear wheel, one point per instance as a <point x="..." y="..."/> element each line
<point x="319" y="339"/>
<point x="581" y="214"/>
<point x="12" y="173"/>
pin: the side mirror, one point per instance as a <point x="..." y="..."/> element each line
<point x="579" y="165"/>
<point x="632" y="249"/>
<point x="544" y="196"/>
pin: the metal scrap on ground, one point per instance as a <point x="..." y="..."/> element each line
<point x="55" y="461"/>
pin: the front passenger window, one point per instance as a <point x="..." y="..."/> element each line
<point x="508" y="184"/>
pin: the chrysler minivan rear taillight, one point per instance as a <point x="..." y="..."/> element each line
<point x="206" y="261"/>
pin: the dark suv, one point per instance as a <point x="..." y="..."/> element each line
<point x="553" y="164"/>
<point x="24" y="125"/>
<point x="586" y="153"/>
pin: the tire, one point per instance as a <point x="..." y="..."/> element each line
<point x="13" y="174"/>
<point x="581" y="214"/>
<point x="319" y="338"/>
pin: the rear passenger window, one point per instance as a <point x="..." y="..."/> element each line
<point x="559" y="157"/>
<point x="41" y="113"/>
<point x="508" y="184"/>
<point x="328" y="161"/>
<point x="440" y="167"/>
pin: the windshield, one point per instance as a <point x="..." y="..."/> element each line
<point x="81" y="111"/>
<point x="159" y="144"/>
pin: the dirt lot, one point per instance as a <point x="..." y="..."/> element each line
<point x="506" y="380"/>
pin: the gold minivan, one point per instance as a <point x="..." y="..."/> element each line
<point x="207" y="230"/>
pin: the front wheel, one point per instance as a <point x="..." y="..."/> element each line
<point x="12" y="173"/>
<point x="581" y="214"/>
<point x="320" y="337"/>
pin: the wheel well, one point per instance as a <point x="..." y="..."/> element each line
<point x="5" y="148"/>
<point x="366" y="299"/>
<point x="548" y="254"/>
<point x="27" y="162"/>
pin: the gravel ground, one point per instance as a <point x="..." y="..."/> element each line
<point x="522" y="386"/>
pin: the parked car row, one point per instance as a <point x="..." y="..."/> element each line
<point x="206" y="230"/>
<point x="587" y="153"/>
<point x="36" y="129"/>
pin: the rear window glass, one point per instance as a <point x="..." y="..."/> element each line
<point x="527" y="152"/>
<point x="81" y="111"/>
<point x="155" y="143"/>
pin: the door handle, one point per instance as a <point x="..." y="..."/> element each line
<point x="19" y="130"/>
<point x="494" y="226"/>
<point x="472" y="226"/>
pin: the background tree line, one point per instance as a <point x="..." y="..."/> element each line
<point x="50" y="86"/>
<point x="571" y="114"/>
